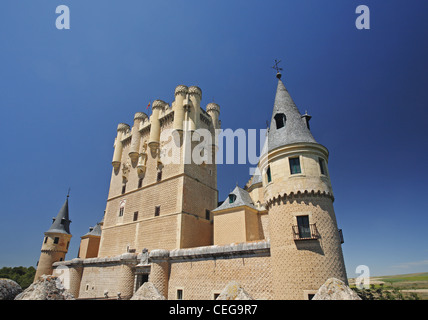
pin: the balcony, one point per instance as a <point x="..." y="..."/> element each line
<point x="305" y="233"/>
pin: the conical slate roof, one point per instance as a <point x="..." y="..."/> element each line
<point x="61" y="223"/>
<point x="285" y="113"/>
<point x="242" y="199"/>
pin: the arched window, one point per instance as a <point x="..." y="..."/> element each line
<point x="280" y="120"/>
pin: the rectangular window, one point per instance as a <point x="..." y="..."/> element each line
<point x="124" y="188"/>
<point x="121" y="211"/>
<point x="56" y="240"/>
<point x="159" y="177"/>
<point x="322" y="165"/>
<point x="295" y="165"/>
<point x="46" y="239"/>
<point x="303" y="226"/>
<point x="135" y="216"/>
<point x="207" y="214"/>
<point x="157" y="211"/>
<point x="179" y="294"/>
<point x="140" y="183"/>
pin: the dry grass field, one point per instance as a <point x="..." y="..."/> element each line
<point x="406" y="283"/>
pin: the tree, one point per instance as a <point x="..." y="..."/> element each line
<point x="22" y="275"/>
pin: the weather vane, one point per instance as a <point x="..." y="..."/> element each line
<point x="278" y="69"/>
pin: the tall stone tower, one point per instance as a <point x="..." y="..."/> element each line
<point x="55" y="243"/>
<point x="159" y="197"/>
<point x="304" y="237"/>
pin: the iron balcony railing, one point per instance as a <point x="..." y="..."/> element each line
<point x="305" y="233"/>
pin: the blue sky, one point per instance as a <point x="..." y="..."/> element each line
<point x="63" y="92"/>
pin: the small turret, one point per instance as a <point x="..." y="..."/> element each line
<point x="195" y="97"/>
<point x="55" y="243"/>
<point x="213" y="109"/>
<point x="136" y="136"/>
<point x="154" y="141"/>
<point x="180" y="95"/>
<point x="122" y="129"/>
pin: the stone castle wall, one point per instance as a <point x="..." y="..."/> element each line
<point x="200" y="272"/>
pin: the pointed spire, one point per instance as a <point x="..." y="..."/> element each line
<point x="287" y="125"/>
<point x="61" y="224"/>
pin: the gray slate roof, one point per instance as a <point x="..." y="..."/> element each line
<point x="61" y="223"/>
<point x="295" y="129"/>
<point x="242" y="199"/>
<point x="96" y="231"/>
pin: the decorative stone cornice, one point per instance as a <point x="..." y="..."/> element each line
<point x="194" y="90"/>
<point x="140" y="116"/>
<point x="159" y="104"/>
<point x="181" y="89"/>
<point x="278" y="199"/>
<point x="213" y="107"/>
<point x="158" y="254"/>
<point x="166" y="118"/>
<point x="123" y="127"/>
<point x="259" y="248"/>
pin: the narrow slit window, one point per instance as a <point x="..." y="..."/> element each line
<point x="322" y="166"/>
<point x="157" y="211"/>
<point x="135" y="216"/>
<point x="179" y="294"/>
<point x="268" y="175"/>
<point x="295" y="165"/>
<point x="140" y="183"/>
<point x="159" y="176"/>
<point x="280" y="120"/>
<point x="123" y="188"/>
<point x="207" y="214"/>
<point x="121" y="211"/>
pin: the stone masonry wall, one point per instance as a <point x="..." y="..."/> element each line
<point x="203" y="272"/>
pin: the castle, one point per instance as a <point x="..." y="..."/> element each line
<point x="277" y="237"/>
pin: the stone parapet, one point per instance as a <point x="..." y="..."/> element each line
<point x="232" y="250"/>
<point x="123" y="258"/>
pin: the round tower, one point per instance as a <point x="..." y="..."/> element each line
<point x="305" y="241"/>
<point x="55" y="243"/>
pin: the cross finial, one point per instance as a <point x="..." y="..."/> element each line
<point x="278" y="69"/>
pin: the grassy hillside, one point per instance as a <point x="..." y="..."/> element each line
<point x="406" y="284"/>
